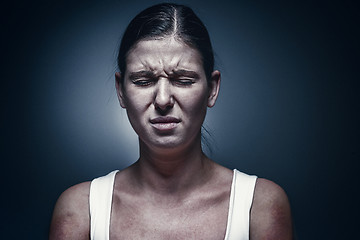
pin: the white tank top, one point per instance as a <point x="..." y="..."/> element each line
<point x="238" y="223"/>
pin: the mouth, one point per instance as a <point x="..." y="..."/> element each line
<point x="165" y="123"/>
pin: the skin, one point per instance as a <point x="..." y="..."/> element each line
<point x="173" y="191"/>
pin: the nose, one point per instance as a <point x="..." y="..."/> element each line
<point x="164" y="99"/>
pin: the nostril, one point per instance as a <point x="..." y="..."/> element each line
<point x="164" y="105"/>
<point x="163" y="110"/>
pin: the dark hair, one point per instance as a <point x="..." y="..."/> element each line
<point x="163" y="20"/>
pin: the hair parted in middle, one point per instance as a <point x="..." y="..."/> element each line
<point x="168" y="20"/>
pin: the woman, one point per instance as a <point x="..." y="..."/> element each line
<point x="174" y="191"/>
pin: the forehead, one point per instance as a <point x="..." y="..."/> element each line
<point x="163" y="55"/>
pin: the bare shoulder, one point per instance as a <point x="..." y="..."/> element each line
<point x="270" y="212"/>
<point x="71" y="214"/>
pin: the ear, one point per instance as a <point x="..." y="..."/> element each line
<point x="214" y="88"/>
<point x="119" y="89"/>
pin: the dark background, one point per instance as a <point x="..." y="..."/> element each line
<point x="288" y="108"/>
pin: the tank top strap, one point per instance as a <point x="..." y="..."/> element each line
<point x="100" y="200"/>
<point x="241" y="197"/>
<point x="242" y="191"/>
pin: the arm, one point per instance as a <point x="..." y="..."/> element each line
<point x="71" y="218"/>
<point x="270" y="213"/>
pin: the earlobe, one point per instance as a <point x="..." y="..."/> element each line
<point x="119" y="89"/>
<point x="214" y="88"/>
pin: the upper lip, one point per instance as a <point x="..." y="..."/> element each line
<point x="166" y="119"/>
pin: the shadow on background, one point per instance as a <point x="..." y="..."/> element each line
<point x="287" y="111"/>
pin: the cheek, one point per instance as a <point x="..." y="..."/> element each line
<point x="195" y="102"/>
<point x="136" y="106"/>
<point x="137" y="100"/>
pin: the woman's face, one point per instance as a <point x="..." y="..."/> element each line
<point x="165" y="92"/>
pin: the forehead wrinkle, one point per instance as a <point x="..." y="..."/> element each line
<point x="137" y="62"/>
<point x="175" y="62"/>
<point x="163" y="57"/>
<point x="142" y="62"/>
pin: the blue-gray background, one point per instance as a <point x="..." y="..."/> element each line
<point x="287" y="109"/>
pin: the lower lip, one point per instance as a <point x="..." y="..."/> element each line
<point x="165" y="126"/>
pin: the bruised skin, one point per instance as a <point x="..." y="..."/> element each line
<point x="270" y="216"/>
<point x="71" y="217"/>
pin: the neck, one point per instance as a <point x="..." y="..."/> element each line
<point x="172" y="171"/>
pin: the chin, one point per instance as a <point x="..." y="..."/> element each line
<point x="166" y="143"/>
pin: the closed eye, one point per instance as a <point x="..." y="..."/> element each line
<point x="142" y="78"/>
<point x="184" y="81"/>
<point x="143" y="82"/>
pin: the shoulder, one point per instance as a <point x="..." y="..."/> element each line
<point x="270" y="212"/>
<point x="71" y="214"/>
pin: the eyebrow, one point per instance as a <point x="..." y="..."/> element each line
<point x="140" y="74"/>
<point x="174" y="73"/>
<point x="186" y="73"/>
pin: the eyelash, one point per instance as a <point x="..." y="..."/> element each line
<point x="179" y="81"/>
<point x="143" y="82"/>
<point x="184" y="82"/>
